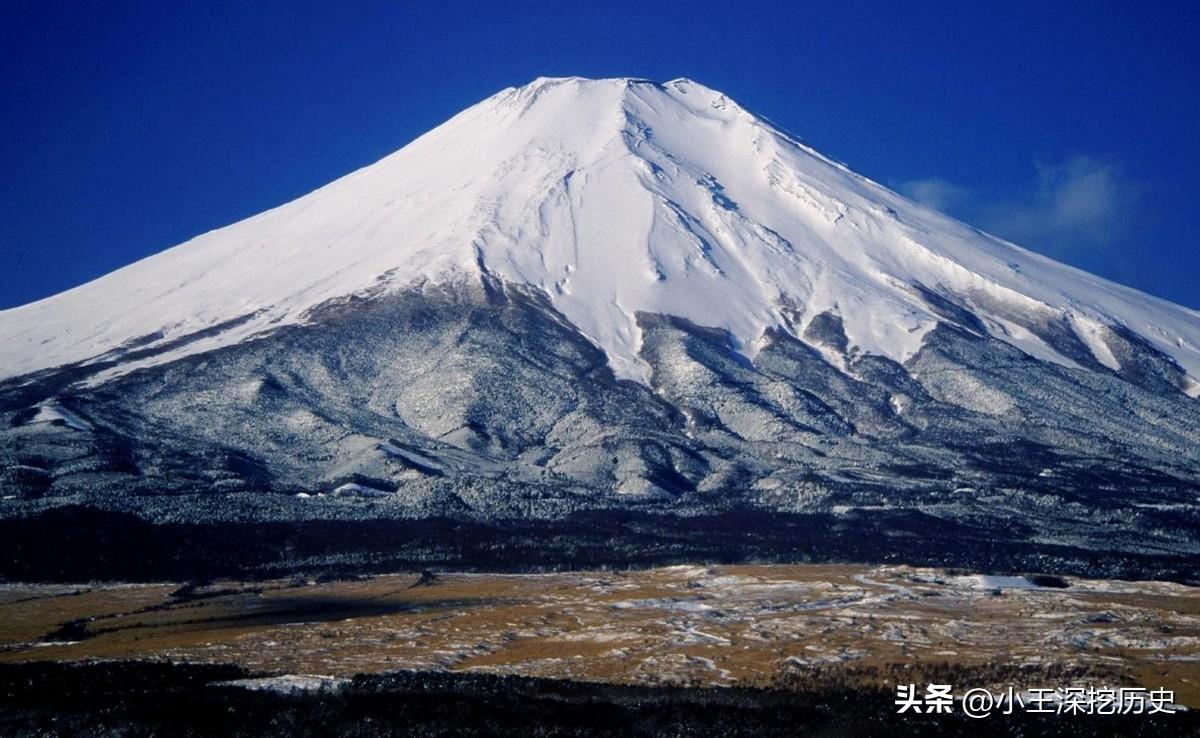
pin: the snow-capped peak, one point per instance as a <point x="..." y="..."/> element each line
<point x="614" y="197"/>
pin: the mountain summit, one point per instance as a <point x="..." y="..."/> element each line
<point x="603" y="296"/>
<point x="612" y="197"/>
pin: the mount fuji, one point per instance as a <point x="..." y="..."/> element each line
<point x="613" y="295"/>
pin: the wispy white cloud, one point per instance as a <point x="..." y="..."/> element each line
<point x="939" y="194"/>
<point x="1073" y="209"/>
<point x="1083" y="203"/>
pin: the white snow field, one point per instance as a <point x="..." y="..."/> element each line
<point x="613" y="196"/>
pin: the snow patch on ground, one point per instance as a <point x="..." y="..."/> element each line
<point x="289" y="683"/>
<point x="993" y="581"/>
<point x="353" y="489"/>
<point x="50" y="412"/>
<point x="663" y="604"/>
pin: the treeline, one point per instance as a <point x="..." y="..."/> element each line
<point x="136" y="699"/>
<point x="77" y="543"/>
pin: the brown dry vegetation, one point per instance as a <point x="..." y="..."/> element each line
<point x="785" y="626"/>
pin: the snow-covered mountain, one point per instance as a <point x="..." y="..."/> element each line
<point x="597" y="293"/>
<point x="613" y="197"/>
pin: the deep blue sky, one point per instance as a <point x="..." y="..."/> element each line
<point x="126" y="128"/>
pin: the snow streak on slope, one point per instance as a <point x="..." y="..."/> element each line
<point x="614" y="197"/>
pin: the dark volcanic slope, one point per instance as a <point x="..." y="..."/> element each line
<point x="481" y="402"/>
